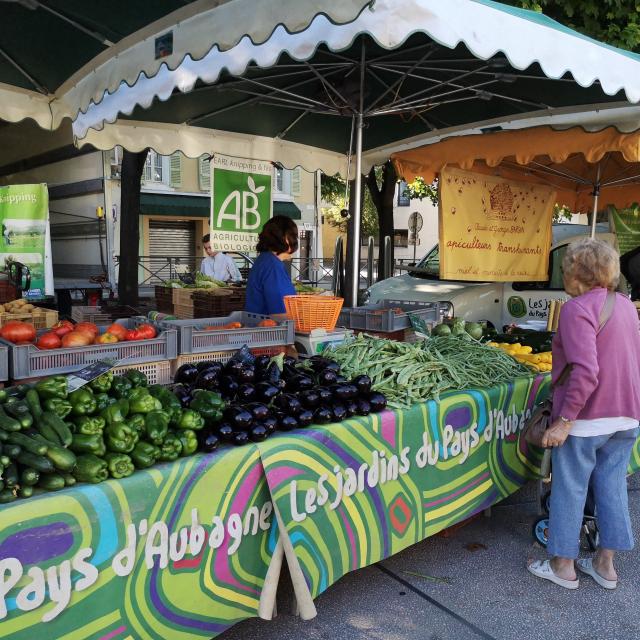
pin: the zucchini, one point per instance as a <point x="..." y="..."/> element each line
<point x="20" y="411"/>
<point x="29" y="477"/>
<point x="69" y="479"/>
<point x="8" y="423"/>
<point x="33" y="401"/>
<point x="39" y="463"/>
<point x="7" y="495"/>
<point x="62" y="458"/>
<point x="25" y="491"/>
<point x="4" y="435"/>
<point x="12" y="450"/>
<point x="57" y="424"/>
<point x="10" y="475"/>
<point x="51" y="482"/>
<point x="28" y="444"/>
<point x="47" y="432"/>
<point x="5" y="460"/>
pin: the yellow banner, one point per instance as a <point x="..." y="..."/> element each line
<point x="492" y="229"/>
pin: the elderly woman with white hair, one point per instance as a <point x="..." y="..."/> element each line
<point x="595" y="415"/>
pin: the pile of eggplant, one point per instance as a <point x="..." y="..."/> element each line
<point x="264" y="395"/>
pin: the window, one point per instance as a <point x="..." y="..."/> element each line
<point x="555" y="273"/>
<point x="282" y="181"/>
<point x="155" y="169"/>
<point x="401" y="237"/>
<point x="403" y="201"/>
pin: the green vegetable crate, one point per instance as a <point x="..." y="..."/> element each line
<point x="384" y="317"/>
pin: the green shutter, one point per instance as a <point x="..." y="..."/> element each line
<point x="204" y="173"/>
<point x="175" y="169"/>
<point x="296" y="181"/>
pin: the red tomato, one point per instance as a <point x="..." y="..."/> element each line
<point x="62" y="328"/>
<point x="147" y="331"/>
<point x="49" y="340"/>
<point x="134" y="334"/>
<point x="118" y="331"/>
<point x="17" y="331"/>
<point x="88" y="327"/>
<point x="76" y="339"/>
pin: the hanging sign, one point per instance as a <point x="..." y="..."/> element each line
<point x="493" y="229"/>
<point x="25" y="235"/>
<point x="240" y="202"/>
<point x="626" y="223"/>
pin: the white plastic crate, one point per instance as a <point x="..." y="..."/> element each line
<point x="156" y="372"/>
<point x="382" y="317"/>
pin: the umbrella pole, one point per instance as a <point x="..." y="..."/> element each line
<point x="596" y="193"/>
<point x="357" y="215"/>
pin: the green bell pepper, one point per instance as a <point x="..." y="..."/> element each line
<point x="54" y="387"/>
<point x="136" y="421"/>
<point x="90" y="468"/>
<point x="144" y="455"/>
<point x="170" y="403"/>
<point x="120" y="465"/>
<point x="137" y="378"/>
<point x="189" y="442"/>
<point x="60" y="407"/>
<point x="141" y="401"/>
<point x="190" y="419"/>
<point x="171" y="448"/>
<point x="120" y="437"/>
<point x="89" y="425"/>
<point x="88" y="443"/>
<point x="209" y="405"/>
<point x="103" y="401"/>
<point x="83" y="402"/>
<point x="116" y="412"/>
<point x="156" y="424"/>
<point x="102" y="384"/>
<point x="121" y="387"/>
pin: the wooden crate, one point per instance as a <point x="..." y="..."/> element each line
<point x="164" y="299"/>
<point x="40" y="318"/>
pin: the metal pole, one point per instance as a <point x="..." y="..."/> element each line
<point x="596" y="193"/>
<point x="388" y="265"/>
<point x="357" y="208"/>
<point x="370" y="250"/>
<point x="337" y="266"/>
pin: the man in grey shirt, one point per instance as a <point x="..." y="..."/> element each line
<point x="218" y="265"/>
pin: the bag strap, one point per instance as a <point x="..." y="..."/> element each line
<point x="605" y="314"/>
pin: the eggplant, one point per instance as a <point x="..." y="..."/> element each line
<point x="351" y="390"/>
<point x="305" y="418"/>
<point x="322" y="415"/>
<point x="228" y="386"/>
<point x="325" y="395"/>
<point x="377" y="402"/>
<point x="290" y="360"/>
<point x="270" y="423"/>
<point x="351" y="406"/>
<point x="186" y="374"/>
<point x="238" y="417"/>
<point x="340" y="392"/>
<point x="363" y="383"/>
<point x="300" y="383"/>
<point x="208" y="365"/>
<point x="240" y="438"/>
<point x="309" y="398"/>
<point x="258" y="410"/>
<point x="183" y="394"/>
<point x="289" y="404"/>
<point x="246" y="393"/>
<point x="319" y="363"/>
<point x="326" y="377"/>
<point x="225" y="432"/>
<point x="243" y="356"/>
<point x="246" y="374"/>
<point x="289" y="372"/>
<point x="339" y="412"/>
<point x="287" y="423"/>
<point x="258" y="433"/>
<point x="364" y="408"/>
<point x="262" y="362"/>
<point x="266" y="392"/>
<point x="233" y="368"/>
<point x="208" y="380"/>
<point x="341" y="380"/>
<point x="208" y="441"/>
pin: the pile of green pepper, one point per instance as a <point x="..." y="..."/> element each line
<point x="50" y="438"/>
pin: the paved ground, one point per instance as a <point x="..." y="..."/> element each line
<point x="472" y="584"/>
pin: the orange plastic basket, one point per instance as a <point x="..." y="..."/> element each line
<point x="313" y="312"/>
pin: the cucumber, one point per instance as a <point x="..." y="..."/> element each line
<point x="39" y="463"/>
<point x="12" y="450"/>
<point x="20" y="411"/>
<point x="69" y="480"/>
<point x="25" y="492"/>
<point x="7" y="495"/>
<point x="57" y="424"/>
<point x="7" y="423"/>
<point x="47" y="432"/>
<point x="28" y="444"/>
<point x="5" y="460"/>
<point x="62" y="458"/>
<point x="29" y="477"/>
<point x="33" y="401"/>
<point x="4" y="435"/>
<point x="10" y="475"/>
<point x="51" y="482"/>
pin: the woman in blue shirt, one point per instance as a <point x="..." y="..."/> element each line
<point x="269" y="281"/>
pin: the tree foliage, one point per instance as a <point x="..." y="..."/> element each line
<point x="419" y="190"/>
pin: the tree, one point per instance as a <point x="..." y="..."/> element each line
<point x="381" y="185"/>
<point x="132" y="167"/>
<point x="615" y="22"/>
<point x="419" y="189"/>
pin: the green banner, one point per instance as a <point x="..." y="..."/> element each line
<point x="240" y="202"/>
<point x="24" y="234"/>
<point x="626" y="224"/>
<point x="179" y="551"/>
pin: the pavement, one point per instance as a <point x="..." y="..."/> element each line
<point x="470" y="584"/>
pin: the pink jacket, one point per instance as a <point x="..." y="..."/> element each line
<point x="605" y="378"/>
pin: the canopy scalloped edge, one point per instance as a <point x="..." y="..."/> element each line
<point x="17" y="104"/>
<point x="488" y="29"/>
<point x="194" y="142"/>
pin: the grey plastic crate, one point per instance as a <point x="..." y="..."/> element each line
<point x="4" y="363"/>
<point x="27" y="361"/>
<point x="192" y="338"/>
<point x="381" y="317"/>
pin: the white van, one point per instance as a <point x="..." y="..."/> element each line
<point x="500" y="303"/>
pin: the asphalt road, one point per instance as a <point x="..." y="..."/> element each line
<point x="471" y="584"/>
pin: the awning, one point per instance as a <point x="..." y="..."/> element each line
<point x="159" y="204"/>
<point x="286" y="208"/>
